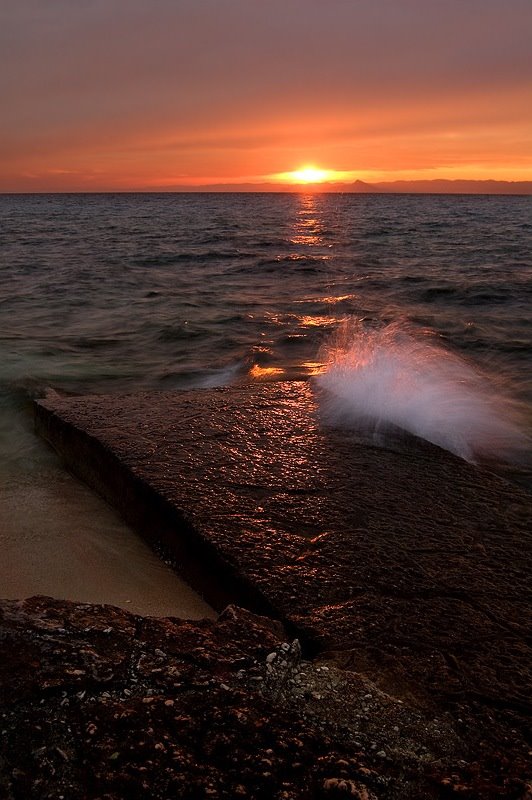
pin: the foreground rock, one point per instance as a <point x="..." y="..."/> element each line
<point x="98" y="703"/>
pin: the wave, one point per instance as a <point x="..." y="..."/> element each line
<point x="397" y="376"/>
<point x="187" y="257"/>
<point x="223" y="376"/>
<point x="304" y="263"/>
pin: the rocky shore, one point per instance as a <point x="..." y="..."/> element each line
<point x="403" y="574"/>
<point x="99" y="703"/>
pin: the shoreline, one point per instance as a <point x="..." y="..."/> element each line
<point x="60" y="538"/>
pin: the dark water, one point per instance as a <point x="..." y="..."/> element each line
<point x="101" y="293"/>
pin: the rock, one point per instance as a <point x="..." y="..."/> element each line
<point x="151" y="737"/>
<point x="338" y="787"/>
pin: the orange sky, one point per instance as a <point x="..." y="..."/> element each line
<point x="131" y="94"/>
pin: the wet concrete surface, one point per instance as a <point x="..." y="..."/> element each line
<point x="408" y="564"/>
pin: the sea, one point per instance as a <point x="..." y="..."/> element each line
<point x="413" y="311"/>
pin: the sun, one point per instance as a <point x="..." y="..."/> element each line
<point x="309" y="173"/>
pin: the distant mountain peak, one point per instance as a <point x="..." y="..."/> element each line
<point x="362" y="186"/>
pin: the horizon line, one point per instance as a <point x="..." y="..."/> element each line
<point x="431" y="186"/>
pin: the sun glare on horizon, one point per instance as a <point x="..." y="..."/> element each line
<point x="310" y="174"/>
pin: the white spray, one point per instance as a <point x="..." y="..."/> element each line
<point x="399" y="376"/>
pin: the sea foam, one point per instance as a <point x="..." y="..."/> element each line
<point x="397" y="376"/>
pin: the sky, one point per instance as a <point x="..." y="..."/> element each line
<point x="101" y="95"/>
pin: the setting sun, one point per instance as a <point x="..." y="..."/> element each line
<point x="311" y="174"/>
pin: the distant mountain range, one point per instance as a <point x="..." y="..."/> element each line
<point x="441" y="186"/>
<point x="438" y="186"/>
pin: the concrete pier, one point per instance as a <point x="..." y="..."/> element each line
<point x="410" y="565"/>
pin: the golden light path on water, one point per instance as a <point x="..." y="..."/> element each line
<point x="307" y="234"/>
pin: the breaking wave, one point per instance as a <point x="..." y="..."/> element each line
<point x="398" y="376"/>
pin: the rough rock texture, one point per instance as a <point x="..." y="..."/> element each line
<point x="98" y="703"/>
<point x="412" y="566"/>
